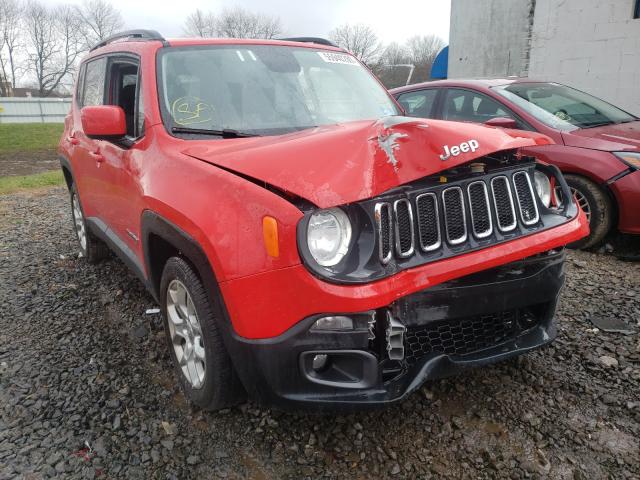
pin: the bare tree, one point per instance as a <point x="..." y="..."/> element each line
<point x="394" y="67"/>
<point x="358" y="39"/>
<point x="240" y="23"/>
<point x="100" y="20"/>
<point x="422" y="52"/>
<point x="200" y="24"/>
<point x="54" y="44"/>
<point x="10" y="30"/>
<point x="394" y="54"/>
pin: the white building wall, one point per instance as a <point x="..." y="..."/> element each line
<point x="593" y="45"/>
<point x="489" y="38"/>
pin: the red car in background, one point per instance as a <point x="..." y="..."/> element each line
<point x="597" y="144"/>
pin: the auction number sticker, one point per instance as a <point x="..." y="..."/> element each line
<point x="331" y="57"/>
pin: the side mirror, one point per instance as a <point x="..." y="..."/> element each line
<point x="502" y="122"/>
<point x="103" y="121"/>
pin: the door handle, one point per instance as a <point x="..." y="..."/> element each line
<point x="97" y="156"/>
<point x="73" y="140"/>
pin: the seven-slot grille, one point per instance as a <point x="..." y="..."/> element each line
<point x="503" y="198"/>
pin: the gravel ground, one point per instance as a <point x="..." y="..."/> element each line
<point x="87" y="389"/>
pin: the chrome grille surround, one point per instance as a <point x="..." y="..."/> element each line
<point x="401" y="250"/>
<point x="428" y="247"/>
<point x="384" y="228"/>
<point x="488" y="231"/>
<point x="521" y="199"/>
<point x="447" y="216"/>
<point x="510" y="226"/>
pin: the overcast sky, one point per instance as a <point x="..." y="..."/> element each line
<point x="393" y="21"/>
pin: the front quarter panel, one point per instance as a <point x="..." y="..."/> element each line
<point x="222" y="212"/>
<point x="597" y="165"/>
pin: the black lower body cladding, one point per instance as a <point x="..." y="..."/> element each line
<point x="468" y="322"/>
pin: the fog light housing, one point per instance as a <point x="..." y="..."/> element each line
<point x="333" y="323"/>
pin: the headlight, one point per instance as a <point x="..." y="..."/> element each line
<point x="632" y="159"/>
<point x="543" y="187"/>
<point x="328" y="236"/>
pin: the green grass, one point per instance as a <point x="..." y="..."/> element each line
<point x="24" y="137"/>
<point x="14" y="184"/>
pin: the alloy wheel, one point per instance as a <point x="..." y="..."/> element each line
<point x="580" y="199"/>
<point x="78" y="221"/>
<point x="186" y="333"/>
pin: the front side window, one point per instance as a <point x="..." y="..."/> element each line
<point x="266" y="90"/>
<point x="468" y="106"/>
<point x="562" y="107"/>
<point x="94" y="80"/>
<point x="125" y="79"/>
<point x="420" y="103"/>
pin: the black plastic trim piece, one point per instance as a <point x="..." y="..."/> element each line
<point x="66" y="164"/>
<point x="139" y="35"/>
<point x="101" y="230"/>
<point x="318" y="40"/>
<point x="620" y="175"/>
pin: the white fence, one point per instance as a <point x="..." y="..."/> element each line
<point x="33" y="110"/>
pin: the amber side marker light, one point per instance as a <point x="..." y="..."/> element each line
<point x="270" y="236"/>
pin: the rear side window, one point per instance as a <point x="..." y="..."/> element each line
<point x="94" y="80"/>
<point x="468" y="106"/>
<point x="420" y="103"/>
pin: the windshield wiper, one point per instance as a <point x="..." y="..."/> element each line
<point x="594" y="125"/>
<point x="224" y="132"/>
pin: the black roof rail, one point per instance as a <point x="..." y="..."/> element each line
<point x="318" y="40"/>
<point x="134" y="34"/>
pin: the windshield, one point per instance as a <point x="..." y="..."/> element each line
<point x="265" y="89"/>
<point x="562" y="107"/>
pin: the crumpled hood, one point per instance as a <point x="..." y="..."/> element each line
<point x="339" y="164"/>
<point x="610" y="138"/>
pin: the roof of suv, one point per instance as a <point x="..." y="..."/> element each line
<point x="137" y="36"/>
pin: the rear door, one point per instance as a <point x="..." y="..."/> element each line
<point x="420" y="103"/>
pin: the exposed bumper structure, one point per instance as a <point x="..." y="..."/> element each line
<point x="475" y="320"/>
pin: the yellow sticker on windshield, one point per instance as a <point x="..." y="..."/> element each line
<point x="191" y="111"/>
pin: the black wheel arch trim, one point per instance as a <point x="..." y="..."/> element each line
<point x="65" y="164"/>
<point x="154" y="224"/>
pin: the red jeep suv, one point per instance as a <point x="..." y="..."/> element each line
<point x="308" y="245"/>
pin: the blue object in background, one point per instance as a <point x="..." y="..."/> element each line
<point x="440" y="66"/>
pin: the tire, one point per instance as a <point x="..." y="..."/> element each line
<point x="202" y="364"/>
<point x="598" y="207"/>
<point x="91" y="247"/>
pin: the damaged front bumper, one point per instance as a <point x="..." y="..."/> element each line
<point x="474" y="320"/>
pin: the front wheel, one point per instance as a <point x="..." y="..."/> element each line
<point x="596" y="205"/>
<point x="203" y="366"/>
